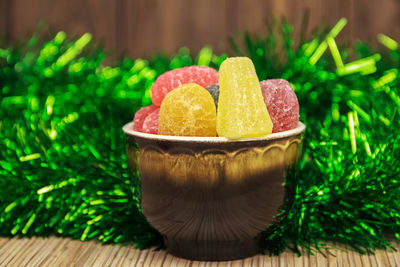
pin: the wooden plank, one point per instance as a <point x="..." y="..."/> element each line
<point x="9" y="252"/>
<point x="46" y="258"/>
<point x="321" y="259"/>
<point x="392" y="256"/>
<point x="140" y="19"/>
<point x="338" y="255"/>
<point x="382" y="259"/>
<point x="335" y="10"/>
<point x="156" y="25"/>
<point x="143" y="27"/>
<point x="75" y="17"/>
<point x="298" y="260"/>
<point x="5" y="7"/>
<point x="155" y="258"/>
<point x="107" y="254"/>
<point x="44" y="247"/>
<point x="68" y="253"/>
<point x="83" y="258"/>
<point x="116" y="257"/>
<point x="373" y="17"/>
<point x="61" y="251"/>
<point x="329" y="12"/>
<point x="3" y="241"/>
<point x="252" y="15"/>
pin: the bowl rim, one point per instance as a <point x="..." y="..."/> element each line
<point x="128" y="130"/>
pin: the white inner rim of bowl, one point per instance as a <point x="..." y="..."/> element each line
<point x="128" y="129"/>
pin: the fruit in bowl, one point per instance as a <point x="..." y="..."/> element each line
<point x="212" y="173"/>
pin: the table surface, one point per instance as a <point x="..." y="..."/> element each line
<point x="55" y="251"/>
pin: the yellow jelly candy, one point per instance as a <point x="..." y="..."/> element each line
<point x="188" y="110"/>
<point x="241" y="108"/>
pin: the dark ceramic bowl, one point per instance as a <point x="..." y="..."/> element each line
<point x="211" y="197"/>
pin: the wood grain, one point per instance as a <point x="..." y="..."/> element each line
<point x="371" y="17"/>
<point x="5" y="7"/>
<point x="75" y="17"/>
<point x="56" y="251"/>
<point x="139" y="28"/>
<point x="156" y="25"/>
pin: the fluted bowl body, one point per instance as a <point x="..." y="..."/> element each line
<point x="211" y="197"/>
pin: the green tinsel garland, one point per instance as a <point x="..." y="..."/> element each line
<point x="62" y="152"/>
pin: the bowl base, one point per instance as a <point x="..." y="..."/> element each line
<point x="212" y="250"/>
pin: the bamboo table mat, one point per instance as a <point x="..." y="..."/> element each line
<point x="55" y="251"/>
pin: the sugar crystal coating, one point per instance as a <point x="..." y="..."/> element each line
<point x="241" y="108"/>
<point x="282" y="104"/>
<point x="169" y="80"/>
<point x="214" y="92"/>
<point x="150" y="124"/>
<point x="140" y="116"/>
<point x="188" y="110"/>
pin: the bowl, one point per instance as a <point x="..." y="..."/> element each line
<point x="211" y="197"/>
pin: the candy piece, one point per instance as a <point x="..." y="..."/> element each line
<point x="140" y="116"/>
<point x="282" y="104"/>
<point x="241" y="109"/>
<point x="166" y="82"/>
<point x="188" y="110"/>
<point x="150" y="124"/>
<point x="214" y="91"/>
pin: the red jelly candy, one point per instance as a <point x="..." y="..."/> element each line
<point x="282" y="104"/>
<point x="150" y="124"/>
<point x="172" y="79"/>
<point x="141" y="115"/>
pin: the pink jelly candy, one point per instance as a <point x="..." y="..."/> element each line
<point x="282" y="104"/>
<point x="150" y="124"/>
<point x="170" y="80"/>
<point x="141" y="115"/>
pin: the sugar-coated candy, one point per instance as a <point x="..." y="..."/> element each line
<point x="282" y="104"/>
<point x="150" y="124"/>
<point x="140" y="116"/>
<point x="241" y="108"/>
<point x="214" y="91"/>
<point x="188" y="110"/>
<point x="169" y="80"/>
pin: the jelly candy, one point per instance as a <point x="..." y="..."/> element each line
<point x="241" y="109"/>
<point x="214" y="91"/>
<point x="282" y="104"/>
<point x="202" y="76"/>
<point x="150" y="124"/>
<point x="140" y="116"/>
<point x="188" y="110"/>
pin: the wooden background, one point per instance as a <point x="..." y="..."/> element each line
<point x="139" y="28"/>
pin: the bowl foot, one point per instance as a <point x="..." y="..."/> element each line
<point x="212" y="250"/>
